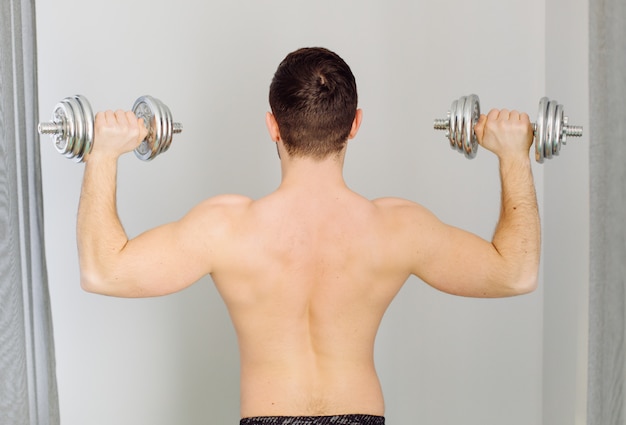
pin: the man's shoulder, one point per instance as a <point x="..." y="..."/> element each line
<point x="221" y="207"/>
<point x="393" y="203"/>
<point x="399" y="210"/>
<point x="227" y="201"/>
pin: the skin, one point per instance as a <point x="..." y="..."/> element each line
<point x="308" y="271"/>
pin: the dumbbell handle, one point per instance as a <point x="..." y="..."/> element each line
<point x="569" y="130"/>
<point x="50" y="127"/>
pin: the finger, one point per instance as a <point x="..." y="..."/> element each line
<point x="524" y="117"/>
<point x="504" y="114"/>
<point x="132" y="119"/>
<point x="493" y="115"/>
<point x="109" y="117"/>
<point x="482" y="119"/>
<point x="514" y="115"/>
<point x="121" y="117"/>
<point x="100" y="121"/>
<point x="141" y="124"/>
<point x="479" y="127"/>
<point x="100" y="118"/>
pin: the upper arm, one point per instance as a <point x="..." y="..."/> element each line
<point x="448" y="258"/>
<point x="170" y="257"/>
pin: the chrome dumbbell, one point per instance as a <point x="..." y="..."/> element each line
<point x="72" y="127"/>
<point x="550" y="130"/>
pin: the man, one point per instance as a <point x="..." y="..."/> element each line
<point x="308" y="271"/>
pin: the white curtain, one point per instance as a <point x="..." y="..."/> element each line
<point x="607" y="309"/>
<point x="28" y="392"/>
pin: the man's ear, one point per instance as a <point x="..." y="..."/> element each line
<point x="356" y="124"/>
<point x="272" y="126"/>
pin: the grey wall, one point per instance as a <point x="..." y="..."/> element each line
<point x="441" y="359"/>
<point x="566" y="220"/>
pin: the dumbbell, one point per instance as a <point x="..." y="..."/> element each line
<point x="550" y="130"/>
<point x="72" y="127"/>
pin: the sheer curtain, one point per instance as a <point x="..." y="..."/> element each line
<point x="607" y="309"/>
<point x="28" y="393"/>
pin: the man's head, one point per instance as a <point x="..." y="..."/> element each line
<point x="313" y="97"/>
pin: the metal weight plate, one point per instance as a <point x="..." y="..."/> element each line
<point x="161" y="127"/>
<point x="160" y="119"/>
<point x="558" y="129"/>
<point x="88" y="119"/>
<point x="463" y="127"/>
<point x="458" y="127"/>
<point x="144" y="108"/>
<point x="169" y="130"/>
<point x="452" y="129"/>
<point x="59" y="137"/>
<point x="157" y="126"/>
<point x="64" y="141"/>
<point x="550" y="136"/>
<point x="471" y="113"/>
<point x="540" y="129"/>
<point x="79" y="122"/>
<point x="71" y="127"/>
<point x="60" y="115"/>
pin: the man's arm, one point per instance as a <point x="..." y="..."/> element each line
<point x="517" y="238"/>
<point x="160" y="261"/>
<point x="461" y="263"/>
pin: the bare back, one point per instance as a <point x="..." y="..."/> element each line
<point x="307" y="280"/>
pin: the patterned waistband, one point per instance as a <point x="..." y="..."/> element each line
<point x="315" y="420"/>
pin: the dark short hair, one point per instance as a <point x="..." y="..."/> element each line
<point x="313" y="97"/>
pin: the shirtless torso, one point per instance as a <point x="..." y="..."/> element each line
<point x="308" y="271"/>
<point x="306" y="296"/>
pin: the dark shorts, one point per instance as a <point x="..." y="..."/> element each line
<point x="315" y="420"/>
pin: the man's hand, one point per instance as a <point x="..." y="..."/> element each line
<point x="116" y="133"/>
<point x="505" y="133"/>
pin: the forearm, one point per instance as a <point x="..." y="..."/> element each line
<point x="100" y="234"/>
<point x="518" y="234"/>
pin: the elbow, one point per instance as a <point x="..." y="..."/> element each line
<point x="98" y="275"/>
<point x="91" y="276"/>
<point x="519" y="277"/>
<point x="95" y="281"/>
<point x="523" y="285"/>
<point x="99" y="283"/>
<point x="511" y="283"/>
<point x="526" y="285"/>
<point x="90" y="282"/>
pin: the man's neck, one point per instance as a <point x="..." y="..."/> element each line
<point x="312" y="174"/>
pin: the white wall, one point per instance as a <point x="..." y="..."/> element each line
<point x="441" y="359"/>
